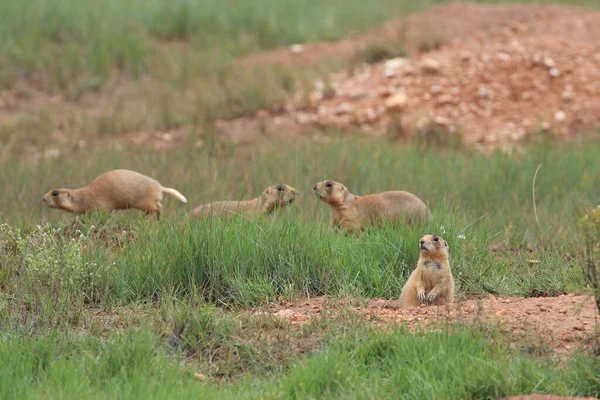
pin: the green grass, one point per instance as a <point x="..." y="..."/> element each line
<point x="362" y="363"/>
<point x="127" y="258"/>
<point x="120" y="306"/>
<point x="79" y="46"/>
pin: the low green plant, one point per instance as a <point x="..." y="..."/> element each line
<point x="46" y="276"/>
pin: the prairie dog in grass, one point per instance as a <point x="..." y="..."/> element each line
<point x="431" y="282"/>
<point x="271" y="199"/>
<point x="119" y="189"/>
<point x="351" y="212"/>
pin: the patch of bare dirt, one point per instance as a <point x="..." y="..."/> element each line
<point x="502" y="73"/>
<point x="565" y="323"/>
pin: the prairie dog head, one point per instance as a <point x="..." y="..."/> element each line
<point x="278" y="196"/>
<point x="331" y="192"/>
<point x="59" y="198"/>
<point x="431" y="244"/>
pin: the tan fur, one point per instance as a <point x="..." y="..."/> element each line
<point x="351" y="212"/>
<point x="431" y="282"/>
<point x="118" y="189"/>
<point x="272" y="198"/>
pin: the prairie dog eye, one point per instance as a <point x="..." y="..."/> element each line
<point x="435" y="239"/>
<point x="55" y="193"/>
<point x="280" y="188"/>
<point x="329" y="184"/>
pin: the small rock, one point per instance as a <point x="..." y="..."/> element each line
<point x="287" y="314"/>
<point x="315" y="97"/>
<point x="445" y="122"/>
<point x="199" y="376"/>
<point x="344" y="108"/>
<point x="430" y="66"/>
<point x="385" y="91"/>
<point x="554" y="72"/>
<point x="560" y="116"/>
<point x="435" y="89"/>
<point x="408" y="69"/>
<point x="548" y="62"/>
<point x="396" y="63"/>
<point x="568" y="93"/>
<point x="389" y="72"/>
<point x="562" y="311"/>
<point x="483" y="92"/>
<point x="297" y="48"/>
<point x="518" y="27"/>
<point x="465" y="56"/>
<point x="504" y="57"/>
<point x="397" y="101"/>
<point x="445" y="99"/>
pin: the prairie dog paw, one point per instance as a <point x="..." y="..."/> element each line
<point x="422" y="297"/>
<point x="430" y="297"/>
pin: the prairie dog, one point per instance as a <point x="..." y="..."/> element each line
<point x="119" y="189"/>
<point x="431" y="282"/>
<point x="351" y="212"/>
<point x="271" y="199"/>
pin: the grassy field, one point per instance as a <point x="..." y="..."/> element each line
<point x="68" y="282"/>
<point x="362" y="364"/>
<point x="124" y="306"/>
<point x="488" y="199"/>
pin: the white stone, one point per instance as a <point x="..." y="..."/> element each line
<point x="396" y="63"/>
<point x="398" y="101"/>
<point x="344" y="108"/>
<point x="297" y="48"/>
<point x="431" y="65"/>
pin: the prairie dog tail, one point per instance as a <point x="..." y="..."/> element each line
<point x="174" y="193"/>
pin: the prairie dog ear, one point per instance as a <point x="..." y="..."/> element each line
<point x="445" y="243"/>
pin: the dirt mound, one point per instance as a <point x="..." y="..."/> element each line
<point x="565" y="322"/>
<point x="501" y="73"/>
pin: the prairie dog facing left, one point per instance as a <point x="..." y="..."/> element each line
<point x="352" y="212"/>
<point x="119" y="189"/>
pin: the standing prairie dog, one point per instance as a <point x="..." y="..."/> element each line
<point x="351" y="212"/>
<point x="271" y="199"/>
<point x="119" y="189"/>
<point x="431" y="282"/>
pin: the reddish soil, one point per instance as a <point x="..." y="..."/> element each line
<point x="565" y="323"/>
<point x="502" y="72"/>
